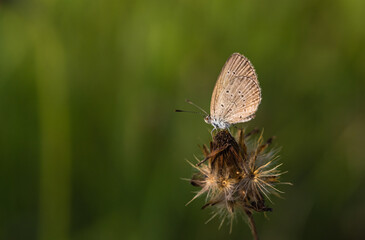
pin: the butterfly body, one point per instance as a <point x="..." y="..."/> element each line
<point x="217" y="123"/>
<point x="236" y="95"/>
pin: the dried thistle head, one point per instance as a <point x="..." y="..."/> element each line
<point x="237" y="175"/>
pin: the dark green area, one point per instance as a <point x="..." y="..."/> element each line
<point x="90" y="146"/>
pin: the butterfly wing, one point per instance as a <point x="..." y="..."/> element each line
<point x="237" y="71"/>
<point x="242" y="97"/>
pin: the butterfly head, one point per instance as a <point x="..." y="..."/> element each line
<point x="208" y="119"/>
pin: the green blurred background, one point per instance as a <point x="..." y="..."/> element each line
<point x="90" y="146"/>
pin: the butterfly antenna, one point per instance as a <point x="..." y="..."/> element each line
<point x="201" y="109"/>
<point x="178" y="110"/>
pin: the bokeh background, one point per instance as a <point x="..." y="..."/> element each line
<point x="90" y="146"/>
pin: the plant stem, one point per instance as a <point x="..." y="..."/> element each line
<point x="251" y="222"/>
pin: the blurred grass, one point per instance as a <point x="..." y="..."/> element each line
<point x="90" y="147"/>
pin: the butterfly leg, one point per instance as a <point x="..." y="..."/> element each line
<point x="211" y="133"/>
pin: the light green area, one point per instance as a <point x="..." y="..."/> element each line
<point x="90" y="146"/>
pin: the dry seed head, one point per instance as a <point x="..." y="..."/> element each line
<point x="237" y="174"/>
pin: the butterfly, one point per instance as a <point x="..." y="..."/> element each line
<point x="236" y="95"/>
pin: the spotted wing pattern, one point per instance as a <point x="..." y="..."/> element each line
<point x="242" y="97"/>
<point x="237" y="94"/>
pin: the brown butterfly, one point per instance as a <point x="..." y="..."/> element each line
<point x="236" y="95"/>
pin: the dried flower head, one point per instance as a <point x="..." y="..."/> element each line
<point x="237" y="175"/>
